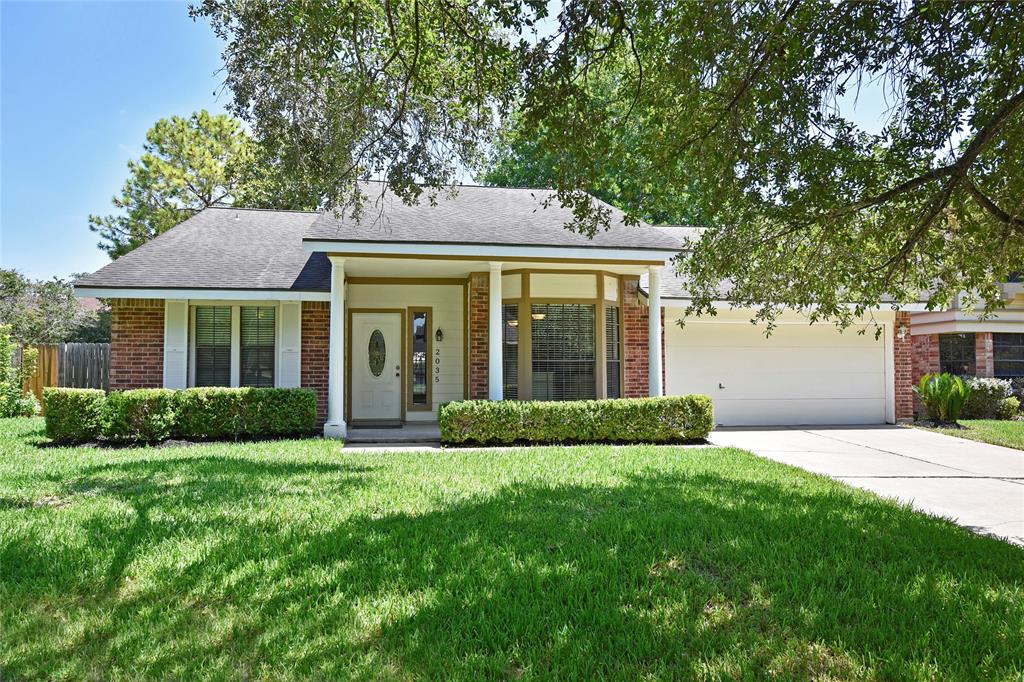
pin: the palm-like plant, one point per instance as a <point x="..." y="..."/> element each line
<point x="943" y="396"/>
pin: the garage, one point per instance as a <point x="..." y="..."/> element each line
<point x="800" y="374"/>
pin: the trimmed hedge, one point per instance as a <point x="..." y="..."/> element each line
<point x="145" y="414"/>
<point x="628" y="420"/>
<point x="74" y="415"/>
<point x="155" y="414"/>
<point x="217" y="413"/>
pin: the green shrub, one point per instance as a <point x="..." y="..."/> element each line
<point x="15" y="401"/>
<point x="986" y="399"/>
<point x="1009" y="408"/>
<point x="145" y="415"/>
<point x="73" y="415"/>
<point x="943" y="396"/>
<point x="209" y="413"/>
<point x="212" y="413"/>
<point x="278" y="412"/>
<point x="629" y="420"/>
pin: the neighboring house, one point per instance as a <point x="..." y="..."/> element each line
<point x="484" y="295"/>
<point x="959" y="342"/>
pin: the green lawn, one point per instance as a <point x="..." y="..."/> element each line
<point x="299" y="559"/>
<point x="997" y="432"/>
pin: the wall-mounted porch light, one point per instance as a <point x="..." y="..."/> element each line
<point x="439" y="335"/>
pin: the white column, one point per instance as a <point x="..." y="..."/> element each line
<point x="654" y="331"/>
<point x="495" y="390"/>
<point x="335" y="426"/>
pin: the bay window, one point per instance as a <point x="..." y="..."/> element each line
<point x="564" y="351"/>
<point x="1008" y="355"/>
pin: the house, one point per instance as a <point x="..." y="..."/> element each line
<point x="959" y="341"/>
<point x="484" y="295"/>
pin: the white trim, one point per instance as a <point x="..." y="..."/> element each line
<point x="495" y="361"/>
<point x="335" y="426"/>
<point x="654" y="340"/>
<point x="204" y="294"/>
<point x="729" y="305"/>
<point x="487" y="252"/>
<point x="176" y="333"/>
<point x="889" y="371"/>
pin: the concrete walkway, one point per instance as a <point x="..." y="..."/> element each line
<point x="977" y="485"/>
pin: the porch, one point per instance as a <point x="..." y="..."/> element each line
<point x="417" y="332"/>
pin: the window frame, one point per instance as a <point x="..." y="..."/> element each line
<point x="996" y="347"/>
<point x="609" y="289"/>
<point x="411" y="311"/>
<point x="971" y="341"/>
<point x="236" y="334"/>
<point x="273" y="346"/>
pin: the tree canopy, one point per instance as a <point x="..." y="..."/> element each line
<point x="743" y="106"/>
<point x="189" y="164"/>
<point x="46" y="311"/>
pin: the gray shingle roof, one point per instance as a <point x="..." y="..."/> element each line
<point x="479" y="215"/>
<point x="223" y="248"/>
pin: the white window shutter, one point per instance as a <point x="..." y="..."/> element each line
<point x="175" y="344"/>
<point x="289" y="373"/>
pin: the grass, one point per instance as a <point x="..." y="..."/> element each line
<point x="997" y="432"/>
<point x="297" y="559"/>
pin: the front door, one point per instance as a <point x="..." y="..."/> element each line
<point x="376" y="366"/>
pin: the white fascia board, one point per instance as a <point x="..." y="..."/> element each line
<point x="727" y="305"/>
<point x="490" y="252"/>
<point x="204" y="294"/>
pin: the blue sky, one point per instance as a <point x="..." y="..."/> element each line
<point x="80" y="83"/>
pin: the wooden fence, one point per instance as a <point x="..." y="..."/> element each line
<point x="71" y="365"/>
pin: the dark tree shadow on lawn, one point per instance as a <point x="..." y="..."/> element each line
<point x="664" y="575"/>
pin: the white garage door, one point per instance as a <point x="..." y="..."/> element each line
<point x="800" y="374"/>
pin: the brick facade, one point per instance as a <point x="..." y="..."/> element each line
<point x="924" y="356"/>
<point x="479" y="288"/>
<point x="316" y="332"/>
<point x="984" y="355"/>
<point x="634" y="342"/>
<point x="136" y="343"/>
<point x="903" y="366"/>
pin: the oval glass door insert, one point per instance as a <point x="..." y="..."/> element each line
<point x="377" y="352"/>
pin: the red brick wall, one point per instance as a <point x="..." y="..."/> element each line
<point x="634" y="341"/>
<point x="984" y="355"/>
<point x="903" y="366"/>
<point x="316" y="332"/>
<point x="479" y="287"/>
<point x="136" y="343"/>
<point x="925" y="356"/>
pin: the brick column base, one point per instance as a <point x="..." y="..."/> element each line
<point x="316" y="334"/>
<point x="984" y="355"/>
<point x="903" y="364"/>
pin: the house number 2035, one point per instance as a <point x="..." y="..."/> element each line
<point x="437" y="365"/>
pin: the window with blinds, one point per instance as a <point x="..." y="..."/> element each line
<point x="213" y="346"/>
<point x="564" y="351"/>
<point x="256" y="346"/>
<point x="510" y="351"/>
<point x="613" y="351"/>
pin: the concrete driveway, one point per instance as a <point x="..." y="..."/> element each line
<point x="977" y="485"/>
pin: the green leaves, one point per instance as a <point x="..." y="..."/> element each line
<point x="736" y="115"/>
<point x="189" y="164"/>
<point x="943" y="396"/>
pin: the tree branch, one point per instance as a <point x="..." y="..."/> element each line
<point x="990" y="206"/>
